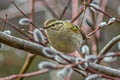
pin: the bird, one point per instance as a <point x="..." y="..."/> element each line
<point x="64" y="36"/>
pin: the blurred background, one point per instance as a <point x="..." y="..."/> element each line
<point x="12" y="60"/>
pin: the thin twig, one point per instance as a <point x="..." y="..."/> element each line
<point x="68" y="76"/>
<point x="99" y="19"/>
<point x="14" y="27"/>
<point x="12" y="1"/>
<point x="107" y="47"/>
<point x="106" y="14"/>
<point x="94" y="31"/>
<point x="83" y="16"/>
<point x="30" y="57"/>
<point x="76" y="17"/>
<point x="65" y="9"/>
<point x="24" y="15"/>
<point x="3" y="26"/>
<point x="38" y="72"/>
<point x="19" y="30"/>
<point x="32" y="10"/>
<point x="25" y="75"/>
<point x="98" y="28"/>
<point x="26" y="65"/>
<point x="49" y="8"/>
<point x="101" y="74"/>
<point x="75" y="10"/>
<point x="41" y="29"/>
<point x="117" y="54"/>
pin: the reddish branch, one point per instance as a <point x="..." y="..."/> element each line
<point x="3" y="26"/>
<point x="24" y="14"/>
<point x="25" y="75"/>
<point x="49" y="8"/>
<point x="76" y="17"/>
<point x="107" y="47"/>
<point x="39" y="72"/>
<point x="30" y="57"/>
<point x="106" y="14"/>
<point x="65" y="9"/>
<point x="19" y="30"/>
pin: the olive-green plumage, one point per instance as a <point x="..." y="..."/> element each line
<point x="63" y="36"/>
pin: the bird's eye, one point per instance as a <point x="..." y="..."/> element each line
<point x="53" y="24"/>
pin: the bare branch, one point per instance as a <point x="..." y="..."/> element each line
<point x="108" y="46"/>
<point x="21" y="44"/>
<point x="37" y="49"/>
<point x="64" y="10"/>
<point x="50" y="9"/>
<point x="105" y="70"/>
<point x="106" y="14"/>
<point x="25" y="75"/>
<point x="76" y="17"/>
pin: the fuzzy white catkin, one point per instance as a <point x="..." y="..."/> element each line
<point x="49" y="52"/>
<point x="64" y="72"/>
<point x="118" y="45"/>
<point x="92" y="77"/>
<point x="81" y="66"/>
<point x="90" y="58"/>
<point x="85" y="50"/>
<point x="60" y="60"/>
<point x="102" y="24"/>
<point x="111" y="20"/>
<point x="67" y="57"/>
<point x="24" y="21"/>
<point x="7" y="32"/>
<point x="110" y="59"/>
<point x="38" y="36"/>
<point x="1" y="46"/>
<point x="46" y="65"/>
<point x="95" y="5"/>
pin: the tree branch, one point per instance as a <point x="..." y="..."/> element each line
<point x="107" y="47"/>
<point x="21" y="44"/>
<point x="25" y="75"/>
<point x="37" y="49"/>
<point x="105" y="70"/>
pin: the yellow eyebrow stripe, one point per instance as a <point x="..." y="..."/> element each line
<point x="53" y="24"/>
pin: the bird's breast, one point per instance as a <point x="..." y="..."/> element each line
<point x="66" y="41"/>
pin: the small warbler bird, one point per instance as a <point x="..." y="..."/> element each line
<point x="63" y="36"/>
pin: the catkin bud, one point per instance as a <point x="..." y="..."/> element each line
<point x="81" y="66"/>
<point x="24" y="21"/>
<point x="38" y="36"/>
<point x="46" y="65"/>
<point x="118" y="45"/>
<point x="110" y="58"/>
<point x="7" y="32"/>
<point x="102" y="24"/>
<point x="93" y="77"/>
<point x="85" y="50"/>
<point x="67" y="57"/>
<point x="64" y="72"/>
<point x="111" y="20"/>
<point x="49" y="52"/>
<point x="95" y="5"/>
<point x="90" y="58"/>
<point x="60" y="60"/>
